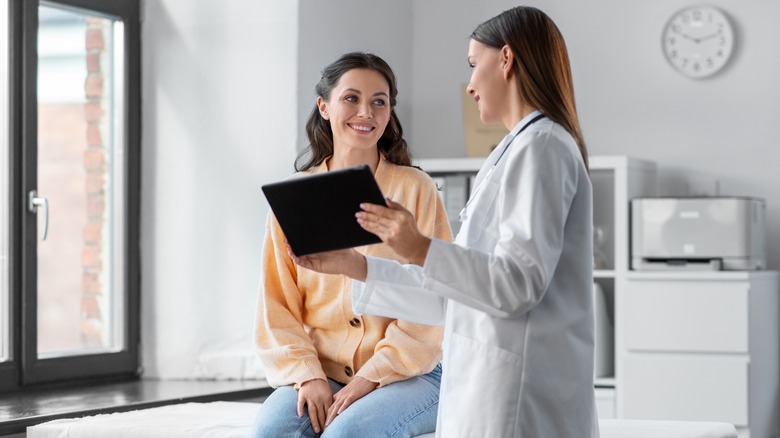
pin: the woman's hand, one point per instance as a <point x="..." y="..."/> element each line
<point x="397" y="227"/>
<point x="345" y="261"/>
<point x="317" y="396"/>
<point x="354" y="391"/>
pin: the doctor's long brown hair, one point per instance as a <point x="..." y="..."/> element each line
<point x="392" y="144"/>
<point x="541" y="64"/>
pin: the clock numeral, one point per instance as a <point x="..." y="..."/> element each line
<point x="672" y="41"/>
<point x="696" y="67"/>
<point x="673" y="54"/>
<point x="720" y="53"/>
<point x="710" y="64"/>
<point x="697" y="15"/>
<point x="684" y="62"/>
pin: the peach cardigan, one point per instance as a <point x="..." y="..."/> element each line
<point x="305" y="328"/>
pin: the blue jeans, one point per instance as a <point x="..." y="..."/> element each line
<point x="401" y="409"/>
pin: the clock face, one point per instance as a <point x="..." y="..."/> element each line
<point x="698" y="41"/>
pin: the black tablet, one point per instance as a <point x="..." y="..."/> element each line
<point x="317" y="212"/>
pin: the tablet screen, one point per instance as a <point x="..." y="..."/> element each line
<point x="317" y="212"/>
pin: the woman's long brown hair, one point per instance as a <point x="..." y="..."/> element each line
<point x="541" y="64"/>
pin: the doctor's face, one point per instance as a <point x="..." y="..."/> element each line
<point x="358" y="109"/>
<point x="487" y="85"/>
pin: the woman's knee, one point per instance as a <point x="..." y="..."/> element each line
<point x="278" y="417"/>
<point x="351" y="430"/>
<point x="269" y="426"/>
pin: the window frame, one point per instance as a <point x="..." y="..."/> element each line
<point x="25" y="368"/>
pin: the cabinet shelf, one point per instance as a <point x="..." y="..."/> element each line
<point x="693" y="275"/>
<point x="604" y="382"/>
<point x="603" y="273"/>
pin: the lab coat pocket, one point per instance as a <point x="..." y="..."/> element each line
<point x="483" y="389"/>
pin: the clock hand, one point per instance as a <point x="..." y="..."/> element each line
<point x="710" y="36"/>
<point x="695" y="40"/>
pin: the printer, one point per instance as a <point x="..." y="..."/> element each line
<point x="698" y="233"/>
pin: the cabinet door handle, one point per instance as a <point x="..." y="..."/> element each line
<point x="36" y="201"/>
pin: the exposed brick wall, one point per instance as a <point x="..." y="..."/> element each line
<point x="95" y="165"/>
<point x="61" y="176"/>
<point x="73" y="173"/>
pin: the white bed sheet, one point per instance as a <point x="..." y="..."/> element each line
<point x="665" y="429"/>
<point x="186" y="420"/>
<point x="234" y="419"/>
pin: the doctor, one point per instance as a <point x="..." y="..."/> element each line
<point x="515" y="288"/>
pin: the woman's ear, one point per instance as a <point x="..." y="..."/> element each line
<point x="323" y="107"/>
<point x="507" y="58"/>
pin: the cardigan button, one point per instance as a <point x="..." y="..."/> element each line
<point x="354" y="322"/>
<point x="348" y="371"/>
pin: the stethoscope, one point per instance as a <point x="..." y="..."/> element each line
<point x="463" y="216"/>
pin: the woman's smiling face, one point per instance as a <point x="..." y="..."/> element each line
<point x="358" y="109"/>
<point x="487" y="85"/>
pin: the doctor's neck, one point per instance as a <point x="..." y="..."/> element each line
<point x="348" y="157"/>
<point x="518" y="111"/>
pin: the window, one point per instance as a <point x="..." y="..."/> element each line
<point x="80" y="262"/>
<point x="70" y="191"/>
<point x="5" y="320"/>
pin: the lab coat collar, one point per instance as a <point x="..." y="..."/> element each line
<point x="524" y="121"/>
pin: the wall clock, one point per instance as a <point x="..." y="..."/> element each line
<point x="698" y="41"/>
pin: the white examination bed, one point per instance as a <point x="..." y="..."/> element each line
<point x="233" y="420"/>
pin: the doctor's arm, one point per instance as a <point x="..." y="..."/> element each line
<point x="395" y="291"/>
<point x="381" y="287"/>
<point x="536" y="190"/>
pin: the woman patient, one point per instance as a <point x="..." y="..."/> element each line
<point x="337" y="374"/>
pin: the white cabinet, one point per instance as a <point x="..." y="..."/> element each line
<point x="701" y="346"/>
<point x="708" y="315"/>
<point x="686" y="387"/>
<point x="616" y="180"/>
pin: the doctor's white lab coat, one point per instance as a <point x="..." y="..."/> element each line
<point x="514" y="292"/>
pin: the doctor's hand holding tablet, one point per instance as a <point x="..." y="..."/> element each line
<point x="514" y="290"/>
<point x="394" y="225"/>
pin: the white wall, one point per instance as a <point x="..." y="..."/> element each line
<point x="631" y="102"/>
<point x="219" y="120"/>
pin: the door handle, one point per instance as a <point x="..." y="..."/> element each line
<point x="36" y="201"/>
